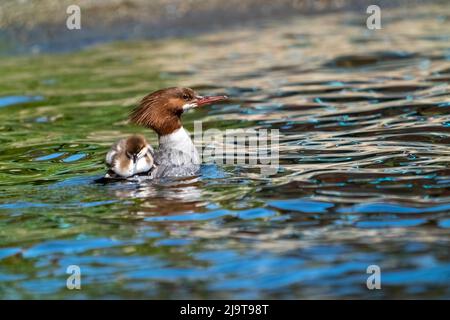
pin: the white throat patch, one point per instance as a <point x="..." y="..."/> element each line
<point x="188" y="106"/>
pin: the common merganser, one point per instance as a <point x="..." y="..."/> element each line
<point x="161" y="111"/>
<point x="129" y="156"/>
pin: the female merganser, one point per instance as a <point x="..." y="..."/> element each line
<point x="161" y="111"/>
<point x="129" y="156"/>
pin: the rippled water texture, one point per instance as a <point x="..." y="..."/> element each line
<point x="364" y="120"/>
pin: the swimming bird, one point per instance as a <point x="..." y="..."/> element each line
<point x="129" y="156"/>
<point x="161" y="111"/>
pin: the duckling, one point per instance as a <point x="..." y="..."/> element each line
<point x="130" y="156"/>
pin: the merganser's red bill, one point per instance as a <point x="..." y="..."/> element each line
<point x="201" y="101"/>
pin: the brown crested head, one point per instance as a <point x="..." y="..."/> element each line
<point x="135" y="144"/>
<point x="162" y="109"/>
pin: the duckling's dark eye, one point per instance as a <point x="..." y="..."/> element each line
<point x="186" y="97"/>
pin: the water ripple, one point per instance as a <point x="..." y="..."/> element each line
<point x="364" y="170"/>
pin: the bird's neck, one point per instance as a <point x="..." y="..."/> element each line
<point x="178" y="139"/>
<point x="179" y="143"/>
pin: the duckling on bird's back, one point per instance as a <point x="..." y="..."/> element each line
<point x="129" y="156"/>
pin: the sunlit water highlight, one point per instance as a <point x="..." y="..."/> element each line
<point x="364" y="175"/>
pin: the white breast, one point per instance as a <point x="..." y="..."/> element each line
<point x="180" y="140"/>
<point x="144" y="164"/>
<point x="177" y="155"/>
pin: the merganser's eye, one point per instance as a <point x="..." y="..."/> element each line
<point x="186" y="97"/>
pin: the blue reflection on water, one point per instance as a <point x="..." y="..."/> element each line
<point x="12" y="100"/>
<point x="301" y="205"/>
<point x="392" y="208"/>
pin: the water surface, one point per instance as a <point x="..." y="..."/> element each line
<point x="364" y="177"/>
